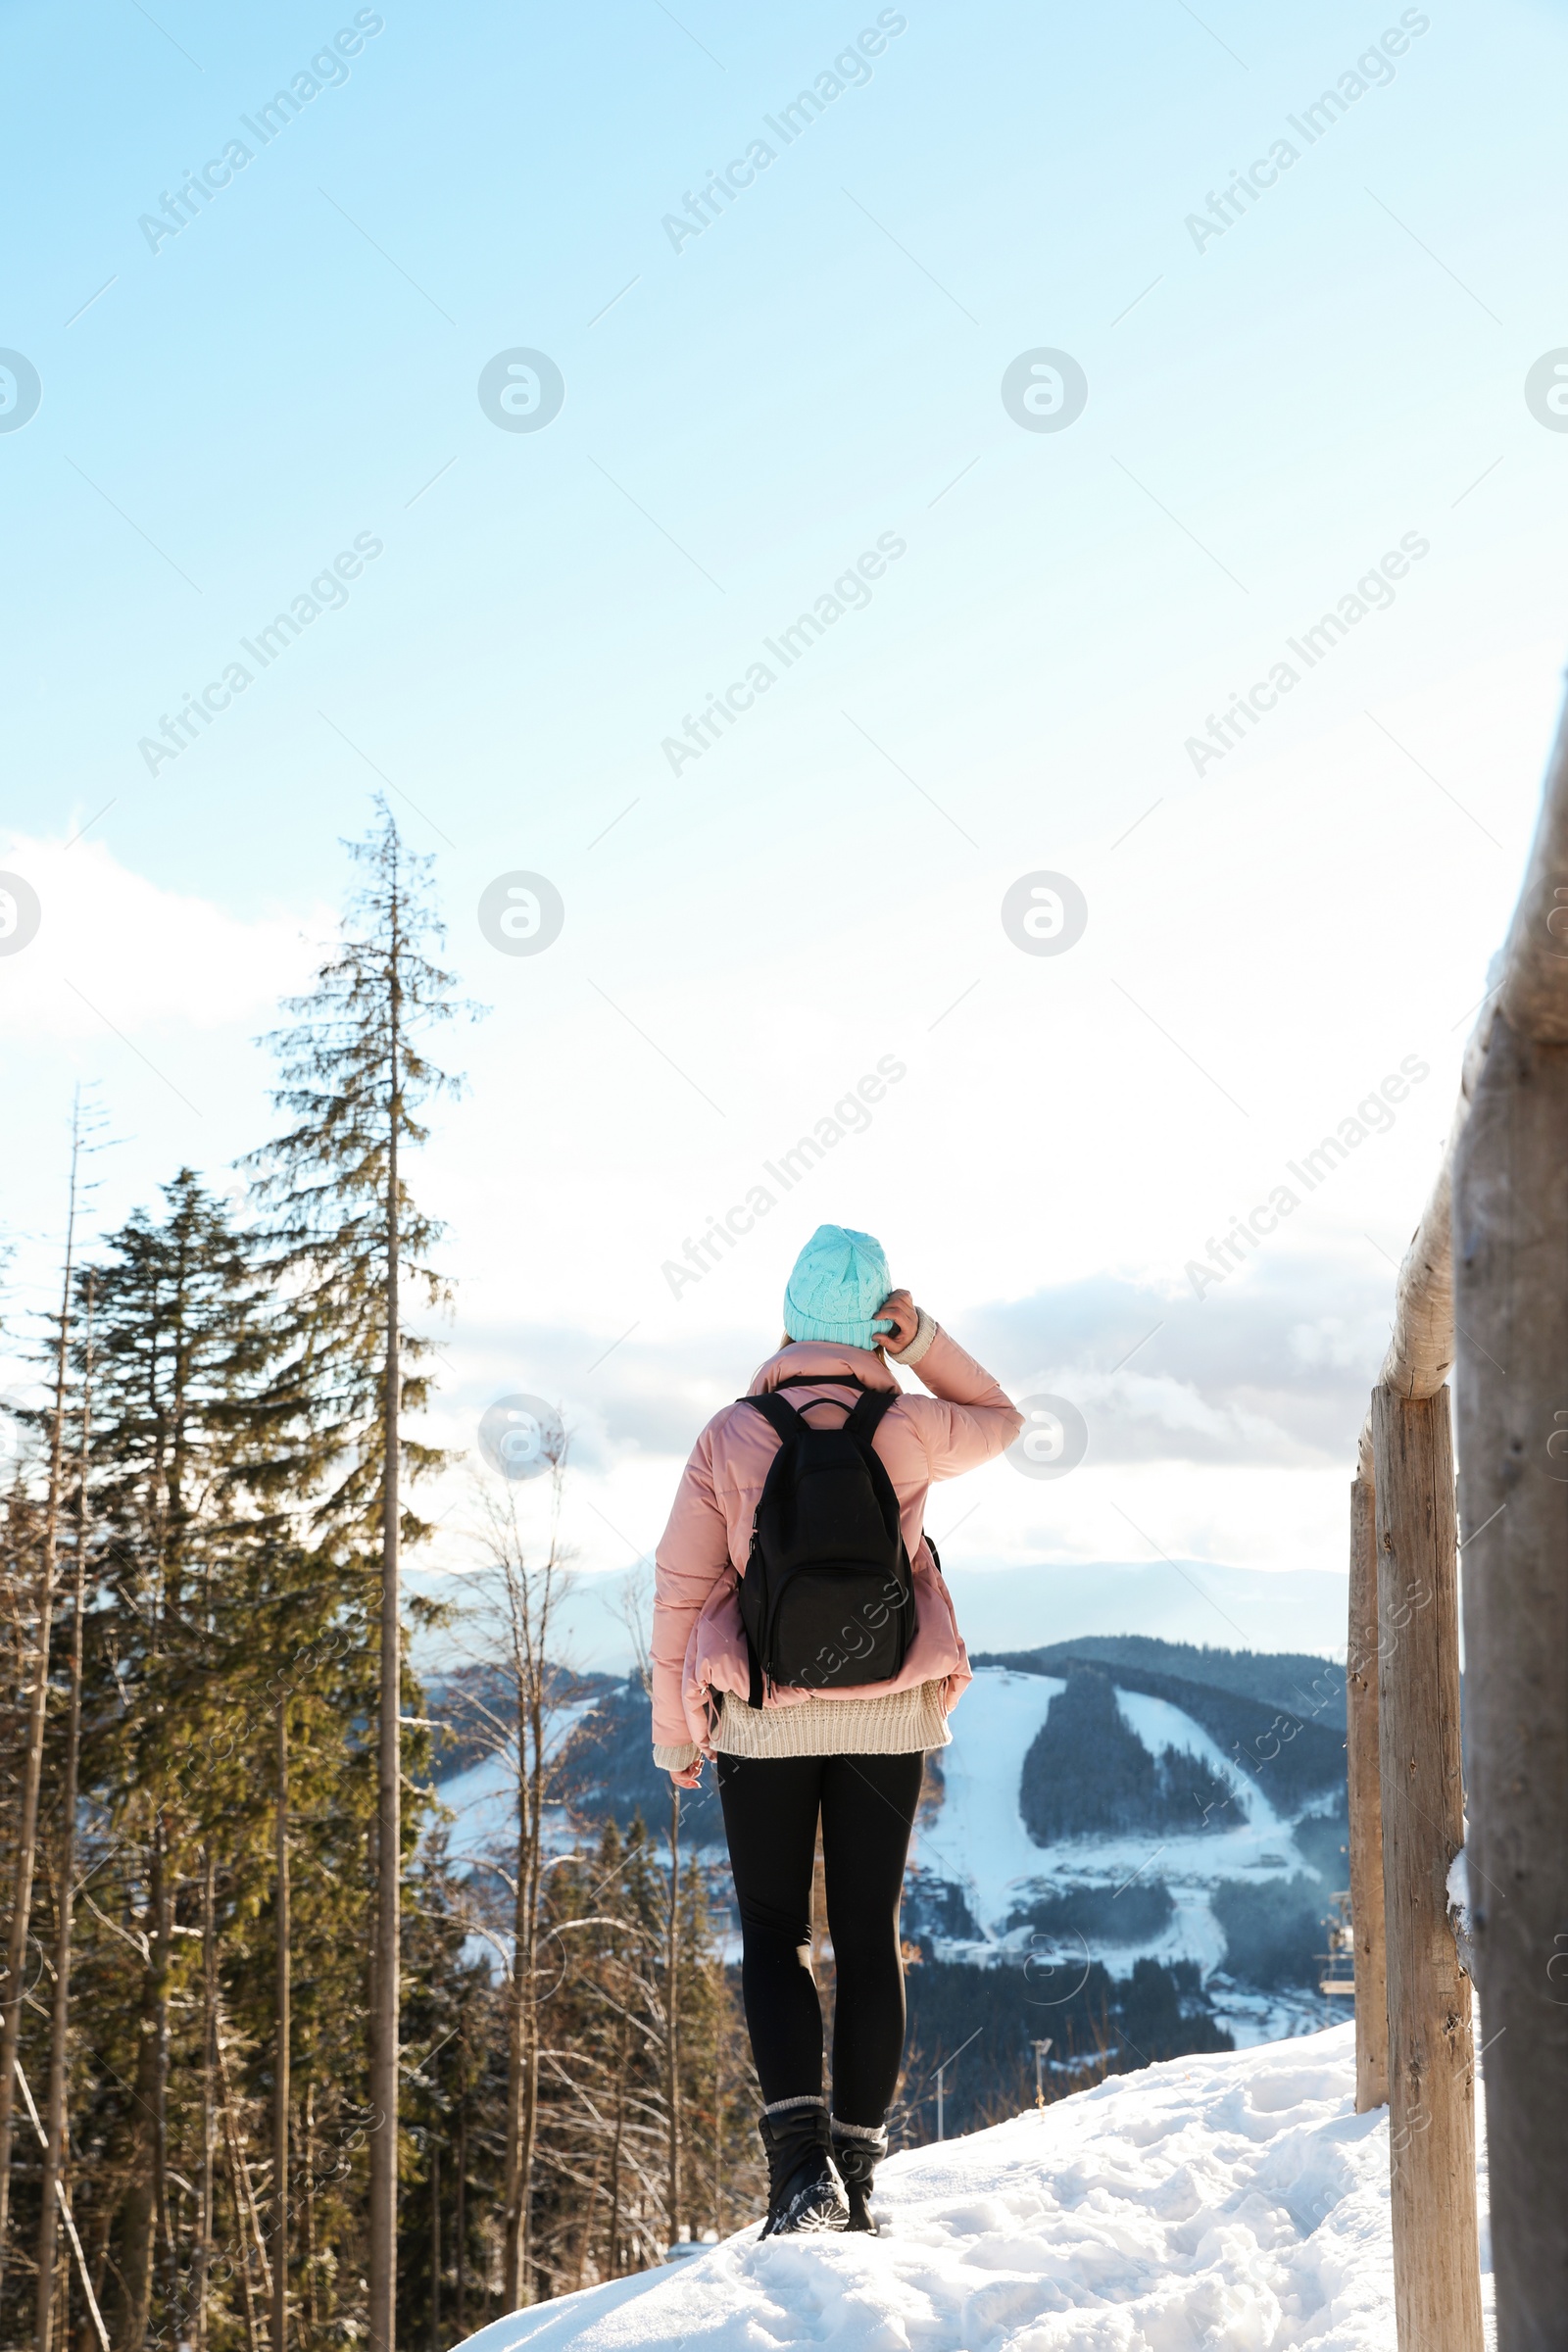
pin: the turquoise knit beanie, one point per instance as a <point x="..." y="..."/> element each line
<point x="840" y="1280"/>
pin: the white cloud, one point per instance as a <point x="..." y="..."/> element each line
<point x="1138" y="1416"/>
<point x="113" y="945"/>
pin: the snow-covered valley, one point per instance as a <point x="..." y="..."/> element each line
<point x="1108" y="1813"/>
<point x="976" y="1841"/>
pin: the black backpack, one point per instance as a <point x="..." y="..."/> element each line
<point x="827" y="1599"/>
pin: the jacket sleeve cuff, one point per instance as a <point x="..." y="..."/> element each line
<point x="926" y="1332"/>
<point x="675" y="1758"/>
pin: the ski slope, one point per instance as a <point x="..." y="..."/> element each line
<point x="976" y="1839"/>
<point x="1233" y="2202"/>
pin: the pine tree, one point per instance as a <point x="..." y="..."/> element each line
<point x="350" y="1239"/>
<point x="192" y="1444"/>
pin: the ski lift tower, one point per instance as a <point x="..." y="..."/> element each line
<point x="1338" y="1961"/>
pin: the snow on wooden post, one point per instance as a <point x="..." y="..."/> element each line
<point x="1437" y="2272"/>
<point x="1511" y="1237"/>
<point x="1365" y="1804"/>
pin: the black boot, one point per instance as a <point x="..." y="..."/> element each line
<point x="858" y="2150"/>
<point x="803" y="2188"/>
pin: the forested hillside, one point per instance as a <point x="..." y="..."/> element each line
<point x="1086" y="1770"/>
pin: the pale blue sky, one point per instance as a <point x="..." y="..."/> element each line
<point x="1343" y="369"/>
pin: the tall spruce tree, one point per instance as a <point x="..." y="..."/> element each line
<point x="193" y="1445"/>
<point x="351" y="1240"/>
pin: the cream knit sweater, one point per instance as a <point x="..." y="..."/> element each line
<point x="903" y="1723"/>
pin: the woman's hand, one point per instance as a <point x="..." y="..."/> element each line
<point x="905" y="1317"/>
<point x="691" y="1778"/>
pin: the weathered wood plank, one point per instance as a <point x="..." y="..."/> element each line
<point x="1437" y="2271"/>
<point x="1511" y="1261"/>
<point x="1365" y="1806"/>
<point x="1534" y="997"/>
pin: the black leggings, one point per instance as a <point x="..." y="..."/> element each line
<point x="770" y="1812"/>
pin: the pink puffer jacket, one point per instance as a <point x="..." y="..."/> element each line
<point x="698" y="1644"/>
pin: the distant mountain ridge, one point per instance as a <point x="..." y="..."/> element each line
<point x="1290" y="1757"/>
<point x="1309" y="1688"/>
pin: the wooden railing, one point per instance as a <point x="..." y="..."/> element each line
<point x="1484" y="1293"/>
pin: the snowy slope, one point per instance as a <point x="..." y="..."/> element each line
<point x="1160" y="1725"/>
<point x="483" y="1803"/>
<point x="482" y="1799"/>
<point x="976" y="1839"/>
<point x="1234" y="2202"/>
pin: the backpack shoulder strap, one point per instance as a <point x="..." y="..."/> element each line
<point x="866" y="1416"/>
<point x="787" y="1424"/>
<point x="821" y="1380"/>
<point x="781" y="1418"/>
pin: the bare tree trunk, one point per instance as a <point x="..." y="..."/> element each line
<point x="528" y="1630"/>
<point x="163" y="1951"/>
<point x="1431" y="2142"/>
<point x="208" y="2184"/>
<point x="148" y="2240"/>
<point x="613" y="2259"/>
<point x="435" y="2239"/>
<point x="76" y="2248"/>
<point x="38" y="1713"/>
<point x="139" y="2213"/>
<point x="514" y="2252"/>
<point x="385" y="2022"/>
<point x="56" y="2160"/>
<point x="311" y="2313"/>
<point x="585" y="2231"/>
<point x="523" y="2102"/>
<point x="718" y="2128"/>
<point x="1366" y="1807"/>
<point x="245" y="2208"/>
<point x="672" y="2015"/>
<point x="280" y="2051"/>
<point x="530" y="1980"/>
<point x="460" y="2217"/>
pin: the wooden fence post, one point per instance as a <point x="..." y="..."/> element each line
<point x="1436" y="2270"/>
<point x="1365" y="1806"/>
<point x="1511" y="1261"/>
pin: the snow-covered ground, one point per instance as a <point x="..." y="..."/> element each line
<point x="1235" y="2203"/>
